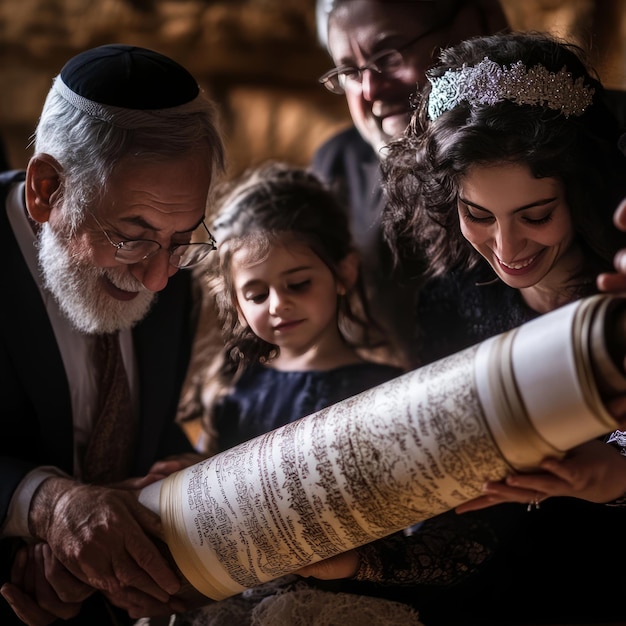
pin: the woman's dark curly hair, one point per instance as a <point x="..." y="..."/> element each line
<point x="423" y="168"/>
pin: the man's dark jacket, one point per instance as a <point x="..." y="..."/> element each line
<point x="36" y="411"/>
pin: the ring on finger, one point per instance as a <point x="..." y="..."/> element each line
<point x="534" y="503"/>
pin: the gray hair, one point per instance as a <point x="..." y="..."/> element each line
<point x="325" y="8"/>
<point x="88" y="146"/>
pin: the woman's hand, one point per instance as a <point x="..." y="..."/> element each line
<point x="594" y="471"/>
<point x="616" y="281"/>
<point x="343" y="565"/>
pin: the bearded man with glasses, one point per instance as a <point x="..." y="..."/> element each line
<point x="381" y="50"/>
<point x="97" y="234"/>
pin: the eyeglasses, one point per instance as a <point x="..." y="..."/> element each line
<point x="182" y="256"/>
<point x="389" y="63"/>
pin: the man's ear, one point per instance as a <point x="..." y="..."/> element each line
<point x="43" y="185"/>
<point x="348" y="273"/>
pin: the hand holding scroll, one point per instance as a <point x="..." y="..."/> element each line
<point x="343" y="565"/>
<point x="593" y="471"/>
<point x="104" y="538"/>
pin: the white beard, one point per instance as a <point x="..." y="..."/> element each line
<point x="76" y="287"/>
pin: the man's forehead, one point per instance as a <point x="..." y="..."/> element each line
<point x="347" y="13"/>
<point x="366" y="23"/>
<point x="378" y="18"/>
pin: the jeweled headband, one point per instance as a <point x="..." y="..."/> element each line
<point x="488" y="83"/>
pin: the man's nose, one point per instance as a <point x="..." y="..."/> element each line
<point x="153" y="273"/>
<point x="371" y="82"/>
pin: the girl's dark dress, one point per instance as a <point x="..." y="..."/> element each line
<point x="264" y="398"/>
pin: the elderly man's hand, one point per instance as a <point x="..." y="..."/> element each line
<point x="139" y="604"/>
<point x="41" y="589"/>
<point x="101" y="535"/>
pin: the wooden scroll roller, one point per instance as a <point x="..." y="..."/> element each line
<point x="396" y="454"/>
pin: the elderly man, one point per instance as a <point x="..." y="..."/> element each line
<point x="96" y="328"/>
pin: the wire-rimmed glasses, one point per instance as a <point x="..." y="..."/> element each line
<point x="389" y="63"/>
<point x="182" y="256"/>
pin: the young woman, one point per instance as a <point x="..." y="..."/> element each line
<point x="507" y="181"/>
<point x="504" y="187"/>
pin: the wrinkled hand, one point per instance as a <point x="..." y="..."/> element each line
<point x="343" y="565"/>
<point x="101" y="536"/>
<point x="616" y="281"/>
<point x="594" y="471"/>
<point x="41" y="589"/>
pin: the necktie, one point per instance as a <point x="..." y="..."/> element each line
<point x="108" y="455"/>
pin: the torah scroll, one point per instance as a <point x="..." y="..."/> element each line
<point x="396" y="454"/>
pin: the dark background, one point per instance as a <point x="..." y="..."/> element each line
<point x="258" y="58"/>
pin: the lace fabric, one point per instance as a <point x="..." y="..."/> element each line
<point x="291" y="601"/>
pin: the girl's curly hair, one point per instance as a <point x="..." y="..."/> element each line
<point x="276" y="203"/>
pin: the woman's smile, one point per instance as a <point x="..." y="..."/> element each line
<point x="524" y="266"/>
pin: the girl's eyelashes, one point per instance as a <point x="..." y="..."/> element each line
<point x="303" y="285"/>
<point x="255" y="297"/>
<point x="298" y="287"/>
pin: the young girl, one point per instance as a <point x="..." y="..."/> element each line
<point x="291" y="303"/>
<point x="294" y="316"/>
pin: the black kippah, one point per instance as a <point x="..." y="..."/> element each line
<point x="129" y="77"/>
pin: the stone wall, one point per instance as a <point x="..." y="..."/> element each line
<point x="259" y="59"/>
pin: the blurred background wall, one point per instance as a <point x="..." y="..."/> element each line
<point x="258" y="58"/>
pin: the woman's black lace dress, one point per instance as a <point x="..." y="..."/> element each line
<point x="501" y="565"/>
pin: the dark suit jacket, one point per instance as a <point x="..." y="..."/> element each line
<point x="36" y="414"/>
<point x="616" y="101"/>
<point x="350" y="165"/>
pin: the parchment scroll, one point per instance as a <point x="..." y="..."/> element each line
<point x="399" y="453"/>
